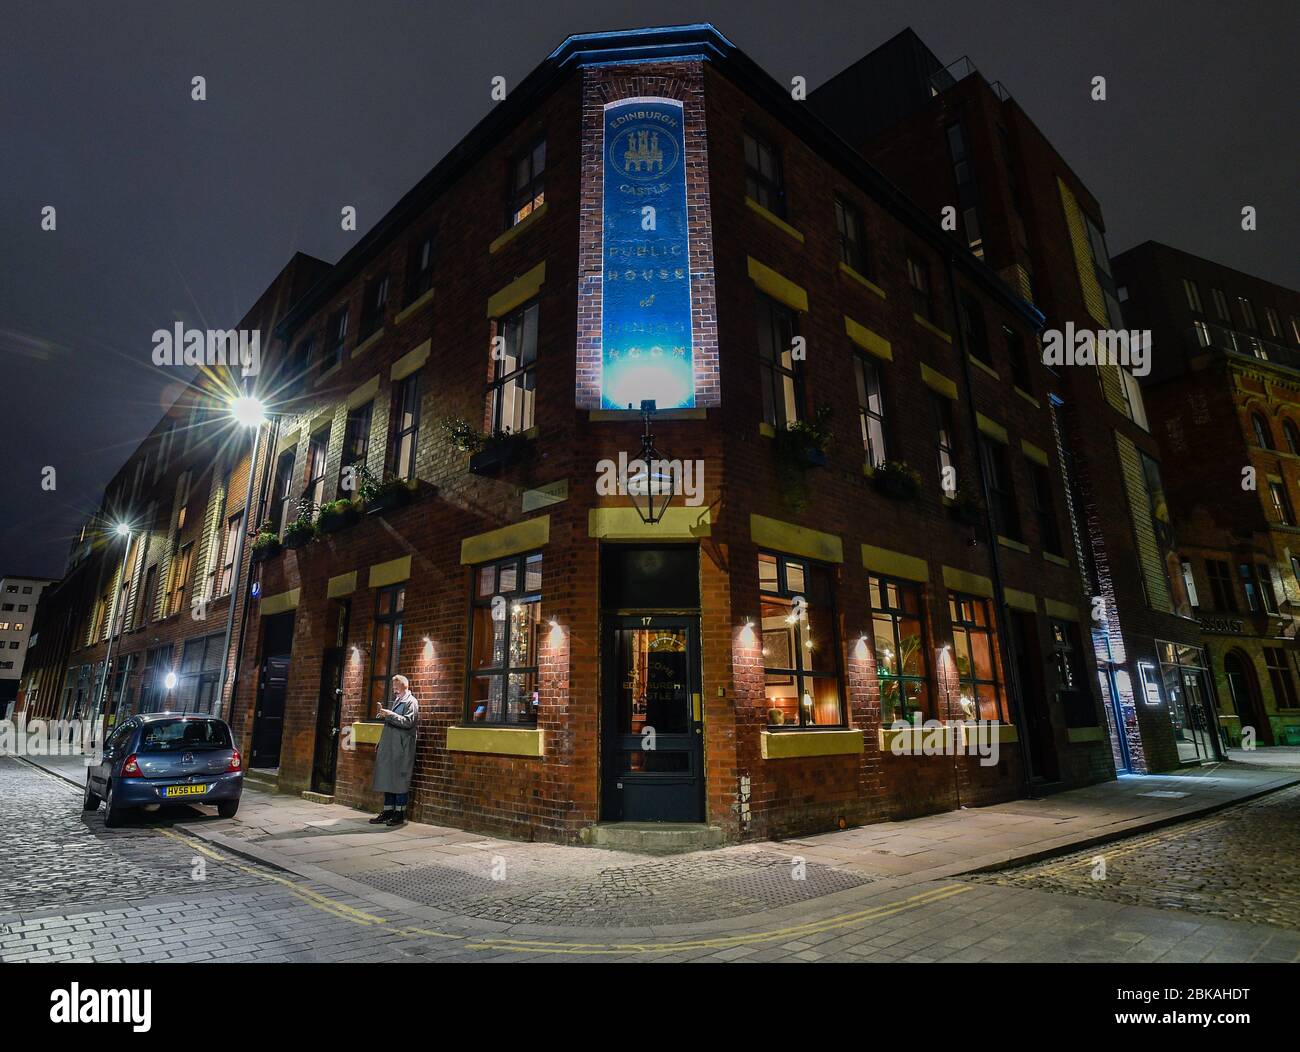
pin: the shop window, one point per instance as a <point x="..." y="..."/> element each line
<point x="527" y="183"/>
<point x="506" y="618"/>
<point x="800" y="666"/>
<point x="200" y="670"/>
<point x="763" y="180"/>
<point x="386" y="650"/>
<point x="898" y="640"/>
<point x="780" y="374"/>
<point x="974" y="648"/>
<point x="1280" y="676"/>
<point x="514" y="374"/>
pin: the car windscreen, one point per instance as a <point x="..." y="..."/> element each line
<point x="184" y="735"/>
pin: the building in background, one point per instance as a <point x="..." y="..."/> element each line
<point x="19" y="597"/>
<point x="1224" y="400"/>
<point x="951" y="140"/>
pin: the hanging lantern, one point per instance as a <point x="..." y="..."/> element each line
<point x="650" y="482"/>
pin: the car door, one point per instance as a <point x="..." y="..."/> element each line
<point x="99" y="773"/>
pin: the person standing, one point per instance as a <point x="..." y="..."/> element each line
<point x="395" y="757"/>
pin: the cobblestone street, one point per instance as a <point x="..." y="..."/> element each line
<point x="167" y="887"/>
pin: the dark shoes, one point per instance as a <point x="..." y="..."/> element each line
<point x="397" y="818"/>
<point x="380" y="819"/>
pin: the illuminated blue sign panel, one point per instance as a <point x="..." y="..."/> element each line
<point x="646" y="329"/>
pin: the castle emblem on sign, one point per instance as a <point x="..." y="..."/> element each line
<point x="643" y="154"/>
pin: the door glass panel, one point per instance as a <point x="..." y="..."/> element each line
<point x="654" y="681"/>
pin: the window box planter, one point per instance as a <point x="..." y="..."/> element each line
<point x="895" y="479"/>
<point x="299" y="534"/>
<point x="801" y="446"/>
<point x="391" y="495"/>
<point x="338" y="516"/>
<point x="500" y="451"/>
<point x="267" y="546"/>
<point x="966" y="508"/>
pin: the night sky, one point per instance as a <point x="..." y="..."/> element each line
<point x="170" y="209"/>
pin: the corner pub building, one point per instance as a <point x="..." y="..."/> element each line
<point x="650" y="216"/>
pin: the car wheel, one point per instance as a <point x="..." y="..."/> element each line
<point x="89" y="801"/>
<point x="113" y="816"/>
<point x="227" y="808"/>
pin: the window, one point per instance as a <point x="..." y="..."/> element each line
<point x="22" y="608"/>
<point x="13" y="645"/>
<point x="763" y="175"/>
<point x="1257" y="583"/>
<point x="897" y="628"/>
<point x="6" y="606"/>
<point x="372" y="308"/>
<point x="1193" y="295"/>
<point x="871" y="408"/>
<point x="973" y="646"/>
<point x="233" y="525"/>
<point x="1137" y="409"/>
<point x="180" y="578"/>
<point x="405" y="428"/>
<point x="527" y="183"/>
<point x="356" y="445"/>
<point x="335" y="337"/>
<point x="967" y="193"/>
<point x="419" y="268"/>
<point x="514" y="374"/>
<point x="1220" y="305"/>
<point x="196" y="688"/>
<point x="1049" y="532"/>
<point x="1220" y="577"/>
<point x="1279" y="675"/>
<point x="780" y="376"/>
<point x="1292" y="437"/>
<point x="506" y="618"/>
<point x="1281" y="503"/>
<point x="1254" y="604"/>
<point x="997" y="466"/>
<point x="1076" y="700"/>
<point x="1101" y="268"/>
<point x="853" y="243"/>
<point x="1247" y="313"/>
<point x="317" y="453"/>
<point x="153" y="688"/>
<point x="1020" y="374"/>
<point x="4" y="626"/>
<point x="799" y="663"/>
<point x="1266" y="592"/>
<point x="385" y="654"/>
<point x="918" y="276"/>
<point x="1272" y="322"/>
<point x="971" y="318"/>
<point x="1189" y="582"/>
<point x="1263" y="434"/>
<point x="1295" y="328"/>
<point x="150" y="590"/>
<point x="283" y="491"/>
<point x="944" y="438"/>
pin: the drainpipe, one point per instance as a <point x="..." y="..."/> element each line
<point x="999" y="598"/>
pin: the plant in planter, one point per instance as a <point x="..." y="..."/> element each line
<point x="338" y="515"/>
<point x="895" y="479"/>
<point x="266" y="545"/>
<point x="383" y="494"/>
<point x="499" y="450"/>
<point x="801" y="446"/>
<point x="301" y="532"/>
<point x="966" y="507"/>
<point x="462" y="435"/>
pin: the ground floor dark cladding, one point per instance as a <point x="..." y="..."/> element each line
<point x="732" y="685"/>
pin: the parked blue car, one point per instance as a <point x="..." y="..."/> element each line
<point x="166" y="758"/>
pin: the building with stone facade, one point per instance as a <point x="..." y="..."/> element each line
<point x="1224" y="400"/>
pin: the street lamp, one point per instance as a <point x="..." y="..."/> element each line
<point x="248" y="411"/>
<point x="651" y="486"/>
<point x="122" y="530"/>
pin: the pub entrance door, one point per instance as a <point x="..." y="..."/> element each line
<point x="653" y="732"/>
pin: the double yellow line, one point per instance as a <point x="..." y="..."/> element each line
<point x="720" y="942"/>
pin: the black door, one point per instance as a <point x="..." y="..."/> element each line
<point x="273" y="678"/>
<point x="330" y="703"/>
<point x="653" y="736"/>
<point x="1034" y="695"/>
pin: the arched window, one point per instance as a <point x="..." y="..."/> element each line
<point x="1263" y="436"/>
<point x="1292" y="436"/>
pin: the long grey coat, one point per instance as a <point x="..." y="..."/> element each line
<point x="395" y="757"/>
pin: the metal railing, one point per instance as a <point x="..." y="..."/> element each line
<point x="1207" y="335"/>
<point x="943" y="79"/>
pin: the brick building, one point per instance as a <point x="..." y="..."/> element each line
<point x="953" y="140"/>
<point x="871" y="526"/>
<point x="1224" y="397"/>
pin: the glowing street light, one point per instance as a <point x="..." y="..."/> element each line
<point x="248" y="411"/>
